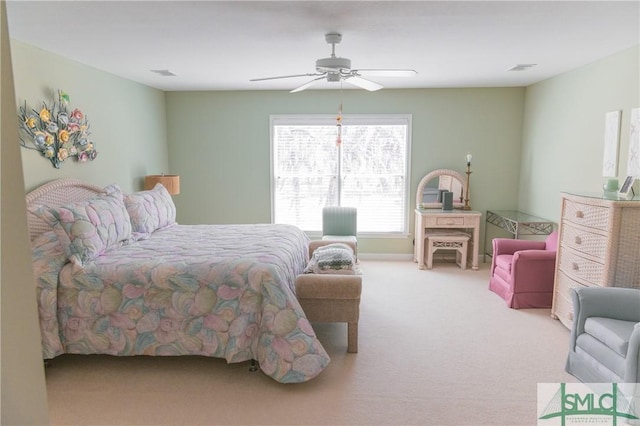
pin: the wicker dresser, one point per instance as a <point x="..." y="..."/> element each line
<point x="599" y="246"/>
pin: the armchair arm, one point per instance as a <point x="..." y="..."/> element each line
<point x="510" y="246"/>
<point x="632" y="363"/>
<point x="533" y="270"/>
<point x="608" y="302"/>
<point x="534" y="255"/>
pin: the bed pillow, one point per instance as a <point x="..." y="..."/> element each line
<point x="336" y="258"/>
<point x="88" y="229"/>
<point x="150" y="210"/>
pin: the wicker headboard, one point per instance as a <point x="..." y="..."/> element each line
<point x="54" y="194"/>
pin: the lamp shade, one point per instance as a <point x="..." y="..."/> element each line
<point x="171" y="182"/>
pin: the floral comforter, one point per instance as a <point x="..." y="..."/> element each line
<point x="223" y="291"/>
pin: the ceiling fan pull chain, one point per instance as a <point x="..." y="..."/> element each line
<point x="339" y="123"/>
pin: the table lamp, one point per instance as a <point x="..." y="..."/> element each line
<point x="171" y="182"/>
<point x="468" y="172"/>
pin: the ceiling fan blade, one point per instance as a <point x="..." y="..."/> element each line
<point x="285" y="76"/>
<point x="307" y="84"/>
<point x="388" y="72"/>
<point x="363" y="83"/>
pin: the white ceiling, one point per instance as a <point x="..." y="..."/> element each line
<point x="220" y="45"/>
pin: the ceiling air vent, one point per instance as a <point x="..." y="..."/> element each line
<point x="164" y="73"/>
<point x="521" y="67"/>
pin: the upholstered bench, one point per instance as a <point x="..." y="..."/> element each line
<point x="449" y="240"/>
<point x="331" y="298"/>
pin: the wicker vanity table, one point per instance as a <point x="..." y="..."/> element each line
<point x="446" y="219"/>
<point x="431" y="216"/>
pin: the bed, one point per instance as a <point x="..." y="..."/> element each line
<point x="116" y="275"/>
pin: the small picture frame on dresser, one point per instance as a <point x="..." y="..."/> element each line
<point x="626" y="189"/>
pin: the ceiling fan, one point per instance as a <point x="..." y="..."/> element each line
<point x="335" y="69"/>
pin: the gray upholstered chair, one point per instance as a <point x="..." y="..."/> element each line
<point x="605" y="335"/>
<point x="340" y="224"/>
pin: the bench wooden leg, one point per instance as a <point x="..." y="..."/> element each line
<point x="352" y="337"/>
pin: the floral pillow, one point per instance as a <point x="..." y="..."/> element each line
<point x="337" y="258"/>
<point x="88" y="229"/>
<point x="150" y="210"/>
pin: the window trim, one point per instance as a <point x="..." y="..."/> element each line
<point x="330" y="119"/>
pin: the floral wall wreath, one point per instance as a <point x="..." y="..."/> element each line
<point x="57" y="133"/>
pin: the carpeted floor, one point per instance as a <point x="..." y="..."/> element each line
<point x="436" y="348"/>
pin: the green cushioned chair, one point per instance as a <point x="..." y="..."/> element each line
<point x="340" y="224"/>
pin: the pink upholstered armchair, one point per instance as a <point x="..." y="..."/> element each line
<point x="522" y="271"/>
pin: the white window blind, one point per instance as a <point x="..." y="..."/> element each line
<point x="368" y="170"/>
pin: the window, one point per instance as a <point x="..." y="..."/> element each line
<point x="368" y="170"/>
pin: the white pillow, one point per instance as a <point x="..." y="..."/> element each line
<point x="336" y="258"/>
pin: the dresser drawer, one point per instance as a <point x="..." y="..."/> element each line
<point x="585" y="215"/>
<point x="572" y="264"/>
<point x="450" y="221"/>
<point x="563" y="302"/>
<point x="563" y="309"/>
<point x="584" y="241"/>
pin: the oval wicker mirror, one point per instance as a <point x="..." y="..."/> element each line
<point x="428" y="192"/>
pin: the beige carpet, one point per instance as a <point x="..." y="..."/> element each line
<point x="436" y="348"/>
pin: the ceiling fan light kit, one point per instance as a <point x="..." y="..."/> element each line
<point x="336" y="69"/>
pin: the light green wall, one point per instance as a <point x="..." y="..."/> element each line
<point x="127" y="119"/>
<point x="129" y="127"/>
<point x="219" y="145"/>
<point x="24" y="395"/>
<point x="563" y="131"/>
<point x="528" y="144"/>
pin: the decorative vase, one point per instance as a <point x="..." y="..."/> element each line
<point x="611" y="185"/>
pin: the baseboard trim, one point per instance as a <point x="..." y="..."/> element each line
<point x="386" y="256"/>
